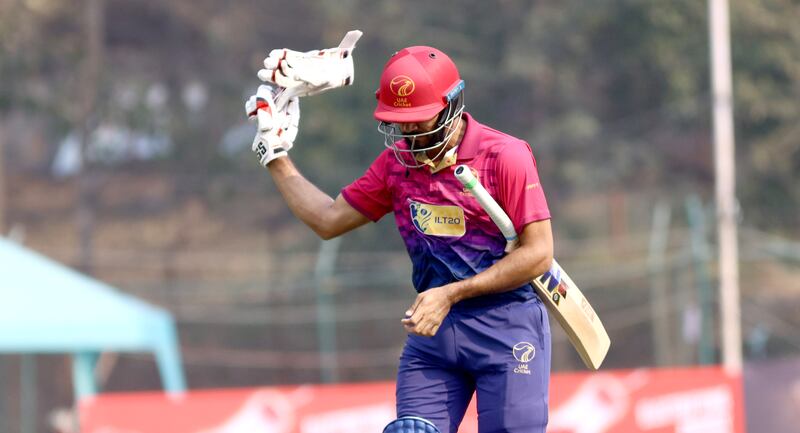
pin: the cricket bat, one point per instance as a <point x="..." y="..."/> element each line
<point x="556" y="289"/>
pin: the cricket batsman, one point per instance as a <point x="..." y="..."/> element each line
<point x="476" y="325"/>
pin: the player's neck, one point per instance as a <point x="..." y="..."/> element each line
<point x="454" y="140"/>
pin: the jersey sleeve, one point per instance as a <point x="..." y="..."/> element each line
<point x="519" y="192"/>
<point x="369" y="194"/>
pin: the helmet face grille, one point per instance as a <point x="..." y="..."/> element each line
<point x="406" y="146"/>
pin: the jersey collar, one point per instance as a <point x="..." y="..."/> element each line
<point x="447" y="160"/>
<point x="471" y="139"/>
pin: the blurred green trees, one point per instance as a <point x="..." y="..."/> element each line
<point x="612" y="95"/>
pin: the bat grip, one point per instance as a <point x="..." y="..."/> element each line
<point x="464" y="175"/>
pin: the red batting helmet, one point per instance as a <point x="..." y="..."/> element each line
<point x="416" y="84"/>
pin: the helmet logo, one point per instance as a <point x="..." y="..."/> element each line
<point x="402" y="86"/>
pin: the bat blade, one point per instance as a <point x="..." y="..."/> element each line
<point x="575" y="314"/>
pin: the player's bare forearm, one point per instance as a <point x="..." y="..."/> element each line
<point x="327" y="217"/>
<point x="531" y="259"/>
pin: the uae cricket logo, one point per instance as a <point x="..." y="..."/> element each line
<point x="402" y="86"/>
<point x="523" y="352"/>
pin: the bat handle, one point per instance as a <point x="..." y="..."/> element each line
<point x="511" y="245"/>
<point x="464" y="175"/>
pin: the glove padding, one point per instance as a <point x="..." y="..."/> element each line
<point x="277" y="128"/>
<point x="312" y="72"/>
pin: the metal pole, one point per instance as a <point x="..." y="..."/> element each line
<point x="2" y="181"/>
<point x="84" y="382"/>
<point x="701" y="256"/>
<point x="659" y="302"/>
<point x="326" y="314"/>
<point x="28" y="398"/>
<point x="85" y="217"/>
<point x="724" y="168"/>
<point x="5" y="395"/>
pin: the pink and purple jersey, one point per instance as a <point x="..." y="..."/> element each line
<point x="448" y="236"/>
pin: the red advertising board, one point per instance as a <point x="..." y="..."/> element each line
<point x="690" y="400"/>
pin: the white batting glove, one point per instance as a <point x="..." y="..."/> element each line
<point x="312" y="72"/>
<point x="277" y="129"/>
